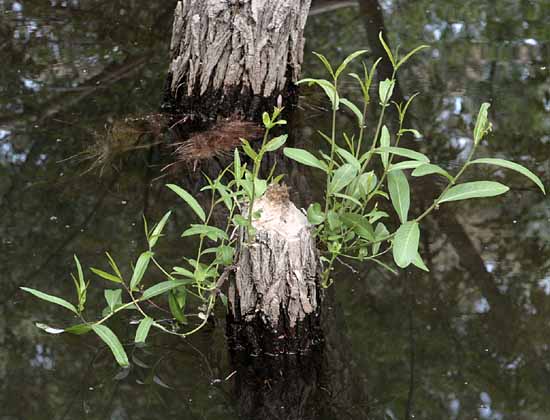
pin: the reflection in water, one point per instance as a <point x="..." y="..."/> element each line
<point x="467" y="340"/>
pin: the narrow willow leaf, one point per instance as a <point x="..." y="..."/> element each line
<point x="266" y="120"/>
<point x="163" y="287"/>
<point x="349" y="198"/>
<point x="349" y="158"/>
<point x="276" y="143"/>
<point x="140" y="268"/>
<point x="105" y="275"/>
<point x="113" y="298"/>
<point x="359" y="225"/>
<point x="304" y="157"/>
<point x="190" y="200"/>
<point x="414" y="132"/>
<point x="387" y="48"/>
<point x="400" y="151"/>
<point x="407" y="164"/>
<point x="405" y="244"/>
<point x="328" y="88"/>
<point x="176" y="307"/>
<point x="348" y="60"/>
<point x="353" y="108"/>
<point x="342" y="177"/>
<point x="225" y="254"/>
<point x="251" y="153"/>
<point x="476" y="189"/>
<point x="237" y="165"/>
<point x="143" y="329"/>
<point x="419" y="262"/>
<point x="385" y="143"/>
<point x="113" y="343"/>
<point x="48" y="329"/>
<point x="325" y="62"/>
<point x="514" y="167"/>
<point x="80" y="273"/>
<point x="51" y="299"/>
<point x="182" y="272"/>
<point x="400" y="194"/>
<point x="428" y="169"/>
<point x="482" y="123"/>
<point x="211" y="232"/>
<point x="380" y="232"/>
<point x="79" y="329"/>
<point x="113" y="265"/>
<point x="409" y="55"/>
<point x="315" y="214"/>
<point x="385" y="90"/>
<point x="157" y="231"/>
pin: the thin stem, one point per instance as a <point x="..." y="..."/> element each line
<point x="332" y="146"/>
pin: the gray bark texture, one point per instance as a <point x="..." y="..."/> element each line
<point x="276" y="287"/>
<point x="221" y="44"/>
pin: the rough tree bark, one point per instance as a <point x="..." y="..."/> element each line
<point x="231" y="60"/>
<point x="235" y="56"/>
<point x="275" y="298"/>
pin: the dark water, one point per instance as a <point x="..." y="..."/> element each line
<point x="469" y="340"/>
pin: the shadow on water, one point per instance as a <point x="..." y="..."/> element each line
<point x="467" y="340"/>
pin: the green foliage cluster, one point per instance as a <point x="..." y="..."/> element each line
<point x="349" y="223"/>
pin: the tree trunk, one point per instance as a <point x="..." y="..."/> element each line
<point x="232" y="60"/>
<point x="235" y="56"/>
<point x="275" y="298"/>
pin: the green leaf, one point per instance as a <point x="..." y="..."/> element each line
<point x="407" y="164"/>
<point x="251" y="153"/>
<point x="385" y="143"/>
<point x="139" y="270"/>
<point x="333" y="220"/>
<point x="359" y="225"/>
<point x="304" y="157"/>
<point x="348" y="60"/>
<point x="349" y="198"/>
<point x="325" y="62"/>
<point x="387" y="48"/>
<point x="113" y="343"/>
<point x="482" y="123"/>
<point x="239" y="220"/>
<point x="79" y="329"/>
<point x="385" y="90"/>
<point x="237" y="165"/>
<point x="176" y="307"/>
<point x="143" y="329"/>
<point x="428" y="169"/>
<point x="182" y="272"/>
<point x="190" y="200"/>
<point x="476" y="189"/>
<point x="225" y="254"/>
<point x="380" y="232"/>
<point x="80" y="273"/>
<point x="157" y="231"/>
<point x="276" y="143"/>
<point x="352" y="160"/>
<point x="400" y="151"/>
<point x="328" y="88"/>
<point x="315" y="214"/>
<point x="163" y="287"/>
<point x="51" y="299"/>
<point x="211" y="232"/>
<point x="105" y="275"/>
<point x="409" y="55"/>
<point x="48" y="329"/>
<point x="113" y="265"/>
<point x="113" y="298"/>
<point x="362" y="185"/>
<point x="405" y="244"/>
<point x="266" y="120"/>
<point x="353" y="108"/>
<point x="419" y="262"/>
<point x="342" y="177"/>
<point x="399" y="194"/>
<point x="514" y="167"/>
